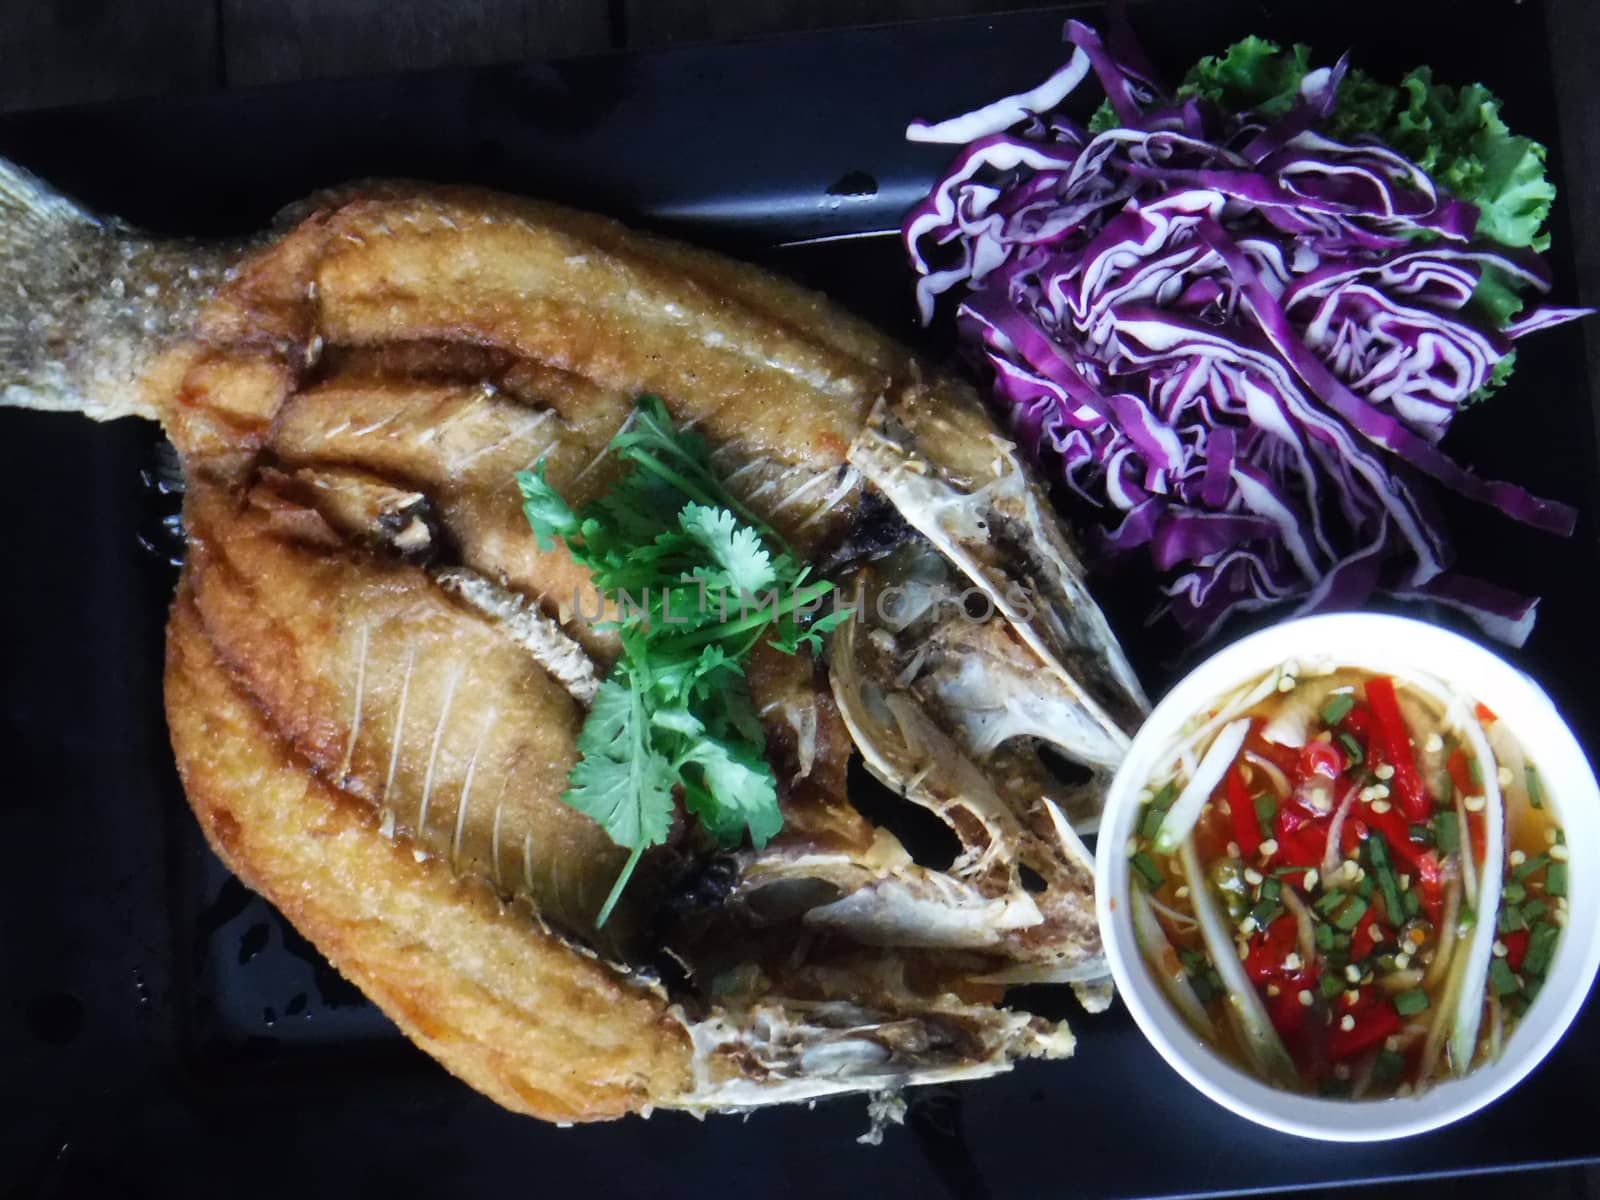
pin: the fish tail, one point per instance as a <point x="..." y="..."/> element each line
<point x="88" y="303"/>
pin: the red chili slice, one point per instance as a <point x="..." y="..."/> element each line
<point x="1290" y="1017"/>
<point x="1460" y="768"/>
<point x="1269" y="948"/>
<point x="1374" y="1019"/>
<point x="1320" y="758"/>
<point x="1406" y="786"/>
<point x="1242" y="811"/>
<point x="1362" y="940"/>
<point x="1300" y="841"/>
<point x="1516" y="948"/>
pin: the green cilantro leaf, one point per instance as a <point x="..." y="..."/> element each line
<point x="697" y="582"/>
<point x="550" y="515"/>
<point x="621" y="780"/>
<point x="744" y="566"/>
<point x="740" y="792"/>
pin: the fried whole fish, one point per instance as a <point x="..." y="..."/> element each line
<point x="375" y="677"/>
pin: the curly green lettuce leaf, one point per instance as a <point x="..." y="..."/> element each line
<point x="1253" y="75"/>
<point x="1459" y="138"/>
<point x="1454" y="134"/>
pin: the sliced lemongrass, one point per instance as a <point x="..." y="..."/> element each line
<point x="1331" y="854"/>
<point x="1480" y="949"/>
<point x="1246" y="1013"/>
<point x="1214" y="764"/>
<point x="1164" y="963"/>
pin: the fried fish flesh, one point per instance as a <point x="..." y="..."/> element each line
<point x="375" y="677"/>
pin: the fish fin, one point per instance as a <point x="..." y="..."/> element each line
<point x="88" y="303"/>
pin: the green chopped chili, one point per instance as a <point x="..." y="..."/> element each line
<point x="1265" y="913"/>
<point x="1534" y="909"/>
<point x="1145" y="865"/>
<point x="1501" y="979"/>
<point x="1535" y="864"/>
<point x="1266" y="811"/>
<point x="1324" y="937"/>
<point x="1327" y="902"/>
<point x="1350" y="915"/>
<point x="1541" y="946"/>
<point x="1383" y="867"/>
<point x="1389" y="1066"/>
<point x="1511" y="919"/>
<point x="1535" y="787"/>
<point x="1353" y="748"/>
<point x="1409" y="1004"/>
<point x="1331" y="985"/>
<point x="1514" y="893"/>
<point x="1411" y="903"/>
<point x="1337" y="708"/>
<point x="1555" y="879"/>
<point x="1446" y="832"/>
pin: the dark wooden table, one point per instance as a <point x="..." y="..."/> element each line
<point x="63" y="52"/>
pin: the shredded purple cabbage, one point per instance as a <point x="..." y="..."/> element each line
<point x="1242" y="339"/>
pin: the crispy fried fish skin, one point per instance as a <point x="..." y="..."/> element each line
<point x="497" y="1000"/>
<point x="377" y="679"/>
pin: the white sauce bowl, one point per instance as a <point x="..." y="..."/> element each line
<point x="1384" y="644"/>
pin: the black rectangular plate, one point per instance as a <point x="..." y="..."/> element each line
<point x="163" y="1032"/>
